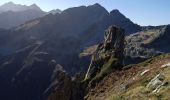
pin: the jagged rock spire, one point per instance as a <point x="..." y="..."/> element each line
<point x="109" y="54"/>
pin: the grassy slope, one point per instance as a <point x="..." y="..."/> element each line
<point x="132" y="82"/>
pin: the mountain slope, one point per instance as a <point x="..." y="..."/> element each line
<point x="11" y="19"/>
<point x="147" y="43"/>
<point x="26" y="70"/>
<point x="147" y="80"/>
<point x="162" y="42"/>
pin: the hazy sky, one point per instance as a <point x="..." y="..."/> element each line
<point x="143" y="12"/>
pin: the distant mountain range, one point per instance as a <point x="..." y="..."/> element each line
<point x="10" y="6"/>
<point x="12" y="15"/>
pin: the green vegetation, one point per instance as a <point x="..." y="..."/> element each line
<point x="115" y="97"/>
<point x="106" y="69"/>
<point x="139" y="90"/>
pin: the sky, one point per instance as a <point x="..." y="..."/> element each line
<point x="142" y="12"/>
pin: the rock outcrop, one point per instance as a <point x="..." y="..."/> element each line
<point x="123" y="22"/>
<point x="108" y="55"/>
<point x="67" y="87"/>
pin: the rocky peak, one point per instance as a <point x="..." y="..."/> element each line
<point x="55" y="11"/>
<point x="35" y="7"/>
<point x="108" y="55"/>
<point x="97" y="5"/>
<point x="120" y="20"/>
<point x="10" y="6"/>
<point x="115" y="11"/>
<point x="9" y="3"/>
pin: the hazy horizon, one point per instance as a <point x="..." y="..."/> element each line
<point x="142" y="12"/>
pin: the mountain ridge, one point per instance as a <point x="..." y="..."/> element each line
<point x="10" y="6"/>
<point x="13" y="15"/>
